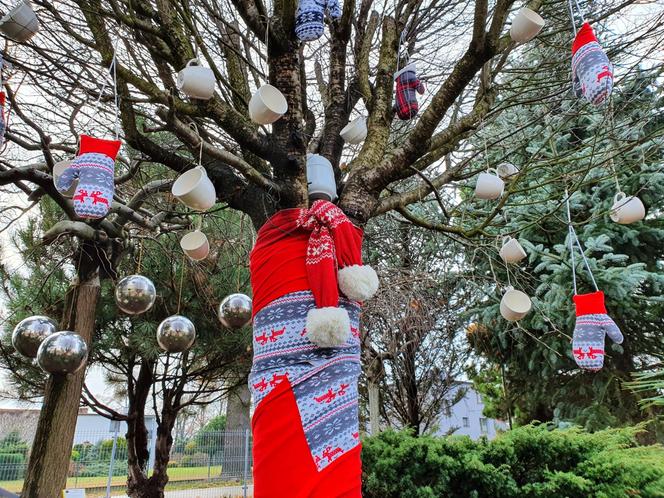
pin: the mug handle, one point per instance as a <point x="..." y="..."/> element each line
<point x="495" y="171"/>
<point x="619" y="197"/>
<point x="192" y="61"/>
<point x="202" y="169"/>
<point x="508" y="288"/>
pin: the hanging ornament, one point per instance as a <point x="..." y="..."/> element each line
<point x="94" y="168"/>
<point x="30" y="332"/>
<point x="267" y="105"/>
<point x="194" y="189"/>
<point x="21" y="23"/>
<point x="62" y="353"/>
<point x="176" y="334"/>
<point x="592" y="72"/>
<point x="195" y="245"/>
<point x="526" y="25"/>
<point x="514" y="305"/>
<point x="235" y="311"/>
<point x="135" y="294"/>
<point x="507" y="171"/>
<point x="626" y="209"/>
<point x="489" y="185"/>
<point x="408" y="83"/>
<point x="511" y="250"/>
<point x="310" y="17"/>
<point x="356" y="131"/>
<point x="196" y="81"/>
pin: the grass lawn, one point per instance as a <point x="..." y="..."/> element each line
<point x="174" y="474"/>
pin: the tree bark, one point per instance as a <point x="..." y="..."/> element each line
<point x="237" y="421"/>
<point x="49" y="458"/>
<point x="374" y="408"/>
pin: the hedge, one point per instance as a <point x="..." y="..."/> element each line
<point x="528" y="462"/>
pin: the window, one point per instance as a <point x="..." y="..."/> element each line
<point x="466" y="422"/>
<point x="484" y="427"/>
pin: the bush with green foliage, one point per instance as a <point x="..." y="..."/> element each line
<point x="533" y="461"/>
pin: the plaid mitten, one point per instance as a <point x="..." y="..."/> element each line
<point x="592" y="324"/>
<point x="310" y="15"/>
<point x="406" y="105"/>
<point x="591" y="69"/>
<point x="94" y="167"/>
<point x="3" y="123"/>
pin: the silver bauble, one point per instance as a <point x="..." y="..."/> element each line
<point x="30" y="332"/>
<point x="235" y="311"/>
<point x="176" y="334"/>
<point x="135" y="294"/>
<point x="62" y="353"/>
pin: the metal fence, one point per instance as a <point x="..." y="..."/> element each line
<point x="209" y="464"/>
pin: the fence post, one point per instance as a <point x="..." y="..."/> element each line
<point x="246" y="462"/>
<point x="115" y="426"/>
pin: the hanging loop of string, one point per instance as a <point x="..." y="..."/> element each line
<point x="574" y="240"/>
<point x="112" y="69"/>
<point x="610" y="123"/>
<point x="194" y="127"/>
<point x="572" y="12"/>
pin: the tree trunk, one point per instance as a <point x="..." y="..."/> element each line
<point x="49" y="458"/>
<point x="237" y="421"/>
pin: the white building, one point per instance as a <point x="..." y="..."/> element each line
<point x="465" y="417"/>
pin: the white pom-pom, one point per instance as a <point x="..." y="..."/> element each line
<point x="358" y="282"/>
<point x="328" y="327"/>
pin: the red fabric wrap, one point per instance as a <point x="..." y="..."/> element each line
<point x="584" y="35"/>
<point x="109" y="148"/>
<point x="2" y="98"/>
<point x="590" y="304"/>
<point x="277" y="429"/>
<point x="301" y="249"/>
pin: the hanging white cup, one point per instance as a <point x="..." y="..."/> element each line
<point x="320" y="177"/>
<point x="195" y="190"/>
<point x="526" y="25"/>
<point x="356" y="131"/>
<point x="511" y="251"/>
<point x="514" y="305"/>
<point x="267" y="105"/>
<point x="195" y="245"/>
<point x="58" y="169"/>
<point x="196" y="81"/>
<point x="627" y="209"/>
<point x="21" y="23"/>
<point x="506" y="170"/>
<point x="488" y="185"/>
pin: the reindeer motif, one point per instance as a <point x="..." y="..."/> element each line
<point x="329" y="453"/>
<point x="592" y="353"/>
<point x="328" y="397"/>
<point x="261" y="386"/>
<point x="579" y="353"/>
<point x="277" y="333"/>
<point x="277" y="379"/>
<point x="97" y="198"/>
<point x="81" y="196"/>
<point x="262" y="339"/>
<point x="355" y="332"/>
<point x="342" y="389"/>
<point x="606" y="73"/>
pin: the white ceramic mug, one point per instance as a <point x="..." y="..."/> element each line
<point x="489" y="186"/>
<point x="195" y="190"/>
<point x="514" y="305"/>
<point x="627" y="209"/>
<point x="21" y="23"/>
<point x="320" y="177"/>
<point x="267" y="105"/>
<point x="196" y="81"/>
<point x="511" y="251"/>
<point x="58" y="169"/>
<point x="526" y="25"/>
<point x="195" y="245"/>
<point x="506" y="170"/>
<point x="356" y="131"/>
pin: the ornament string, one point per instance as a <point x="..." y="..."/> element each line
<point x="140" y="257"/>
<point x="574" y="240"/>
<point x="612" y="127"/>
<point x="184" y="262"/>
<point x="571" y="14"/>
